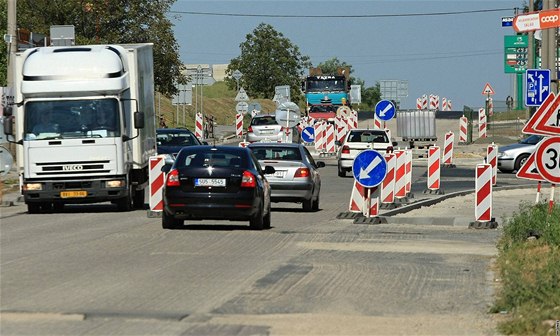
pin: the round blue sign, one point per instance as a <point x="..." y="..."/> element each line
<point x="385" y="110"/>
<point x="369" y="168"/>
<point x="308" y="134"/>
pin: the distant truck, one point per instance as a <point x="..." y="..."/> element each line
<point x="85" y="124"/>
<point x="324" y="94"/>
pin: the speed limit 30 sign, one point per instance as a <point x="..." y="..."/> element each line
<point x="548" y="159"/>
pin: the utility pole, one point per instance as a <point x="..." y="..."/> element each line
<point x="548" y="49"/>
<point x="12" y="46"/>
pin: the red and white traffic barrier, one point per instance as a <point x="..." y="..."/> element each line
<point x="377" y="124"/>
<point x="444" y="104"/>
<point x="481" y="123"/>
<point x="434" y="171"/>
<point x="492" y="160"/>
<point x="320" y="140"/>
<point x="330" y="146"/>
<point x="371" y="208"/>
<point x="449" y="106"/>
<point x="400" y="174"/>
<point x="357" y="198"/>
<point x="448" y="149"/>
<point x="387" y="192"/>
<point x="244" y="144"/>
<point x="408" y="171"/>
<point x="424" y="102"/>
<point x="239" y="125"/>
<point x="198" y="126"/>
<point x="463" y="125"/>
<point x="156" y="179"/>
<point x="419" y="103"/>
<point x="483" y="195"/>
<point x="341" y="128"/>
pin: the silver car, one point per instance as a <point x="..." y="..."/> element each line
<point x="296" y="177"/>
<point x="512" y="157"/>
<point x="265" y="128"/>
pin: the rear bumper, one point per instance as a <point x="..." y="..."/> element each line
<point x="291" y="192"/>
<point x="345" y="163"/>
<point x="239" y="206"/>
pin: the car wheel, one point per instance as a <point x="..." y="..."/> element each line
<point x="257" y="221"/>
<point x="520" y="161"/>
<point x="315" y="206"/>
<point x="266" y="219"/>
<point x="169" y="222"/>
<point x="308" y="204"/>
<point x="341" y="172"/>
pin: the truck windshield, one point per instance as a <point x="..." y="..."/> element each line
<point x="315" y="85"/>
<point x="91" y="118"/>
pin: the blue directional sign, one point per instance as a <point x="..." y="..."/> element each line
<point x="537" y="86"/>
<point x="308" y="134"/>
<point x="385" y="110"/>
<point x="369" y="168"/>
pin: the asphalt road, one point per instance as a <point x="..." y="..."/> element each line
<point x="92" y="270"/>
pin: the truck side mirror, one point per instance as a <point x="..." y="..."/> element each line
<point x="138" y="120"/>
<point x="9" y="125"/>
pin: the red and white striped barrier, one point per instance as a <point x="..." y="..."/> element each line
<point x="320" y="139"/>
<point x="387" y="192"/>
<point x="424" y="102"/>
<point x="444" y="104"/>
<point x="449" y="105"/>
<point x="244" y="144"/>
<point x="448" y="149"/>
<point x="492" y="160"/>
<point x="239" y="125"/>
<point x="377" y="124"/>
<point x="490" y="107"/>
<point x="156" y="179"/>
<point x="408" y="170"/>
<point x="371" y="206"/>
<point x="341" y="128"/>
<point x="463" y="125"/>
<point x="434" y="172"/>
<point x="483" y="195"/>
<point x="198" y="126"/>
<point x="330" y="146"/>
<point x="419" y="103"/>
<point x="357" y="198"/>
<point x="400" y="174"/>
<point x="481" y="123"/>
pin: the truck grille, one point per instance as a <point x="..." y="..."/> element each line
<point x="73" y="168"/>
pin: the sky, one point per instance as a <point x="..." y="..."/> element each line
<point x="449" y="55"/>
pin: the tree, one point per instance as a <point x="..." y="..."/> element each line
<point x="113" y="21"/>
<point x="330" y="66"/>
<point x="268" y="59"/>
<point x="3" y="46"/>
<point x="371" y="95"/>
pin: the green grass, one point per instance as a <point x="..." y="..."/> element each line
<point x="530" y="271"/>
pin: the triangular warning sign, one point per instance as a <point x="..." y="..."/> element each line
<point x="550" y="121"/>
<point x="529" y="127"/>
<point x="241" y="96"/>
<point x="529" y="170"/>
<point x="487" y="90"/>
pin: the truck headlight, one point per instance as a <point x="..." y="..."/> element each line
<point x="115" y="184"/>
<point x="32" y="186"/>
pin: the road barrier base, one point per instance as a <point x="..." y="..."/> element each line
<point x="370" y="220"/>
<point x="348" y="215"/>
<point x="449" y="165"/>
<point x="492" y="224"/>
<point x="154" y="214"/>
<point x="434" y="192"/>
<point x="388" y="206"/>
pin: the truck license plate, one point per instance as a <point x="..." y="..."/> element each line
<point x="73" y="194"/>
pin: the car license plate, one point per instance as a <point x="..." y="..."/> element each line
<point x="267" y="131"/>
<point x="73" y="194"/>
<point x="209" y="182"/>
<point x="280" y="173"/>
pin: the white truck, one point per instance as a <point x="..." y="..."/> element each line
<point x="85" y="124"/>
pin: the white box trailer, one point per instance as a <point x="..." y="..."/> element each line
<point x="85" y="124"/>
<point x="417" y="127"/>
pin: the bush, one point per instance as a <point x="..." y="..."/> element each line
<point x="530" y="270"/>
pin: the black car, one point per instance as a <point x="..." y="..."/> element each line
<point x="171" y="140"/>
<point x="217" y="182"/>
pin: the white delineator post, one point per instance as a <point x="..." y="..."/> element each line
<point x="371" y="206"/>
<point x="492" y="160"/>
<point x="320" y="140"/>
<point x="239" y="125"/>
<point x="198" y="126"/>
<point x="481" y="123"/>
<point x="448" y="149"/>
<point x="357" y="198"/>
<point x="387" y="192"/>
<point x="483" y="194"/>
<point x="434" y="168"/>
<point x="463" y="126"/>
<point x="156" y="180"/>
<point x="400" y="174"/>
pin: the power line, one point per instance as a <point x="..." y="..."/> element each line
<point x="343" y="16"/>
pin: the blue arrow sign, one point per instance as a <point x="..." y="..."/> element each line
<point x="369" y="168"/>
<point x="308" y="134"/>
<point x="385" y="110"/>
<point x="537" y="86"/>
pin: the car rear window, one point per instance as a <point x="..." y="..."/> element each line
<point x="263" y="121"/>
<point x="207" y="158"/>
<point x="176" y="139"/>
<point x="277" y="153"/>
<point x="367" y="136"/>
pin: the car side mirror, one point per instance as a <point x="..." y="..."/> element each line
<point x="269" y="170"/>
<point x="138" y="120"/>
<point x="320" y="164"/>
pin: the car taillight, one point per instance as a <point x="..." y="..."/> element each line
<point x="173" y="178"/>
<point x="345" y="150"/>
<point x="248" y="180"/>
<point x="302" y="172"/>
<point x="250" y="129"/>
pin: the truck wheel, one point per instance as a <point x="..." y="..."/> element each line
<point x="33" y="208"/>
<point x="125" y="203"/>
<point x="138" y="199"/>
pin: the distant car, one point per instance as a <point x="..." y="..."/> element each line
<point x="296" y="177"/>
<point x="358" y="140"/>
<point x="512" y="157"/>
<point x="216" y="182"/>
<point x="171" y="140"/>
<point x="264" y="127"/>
